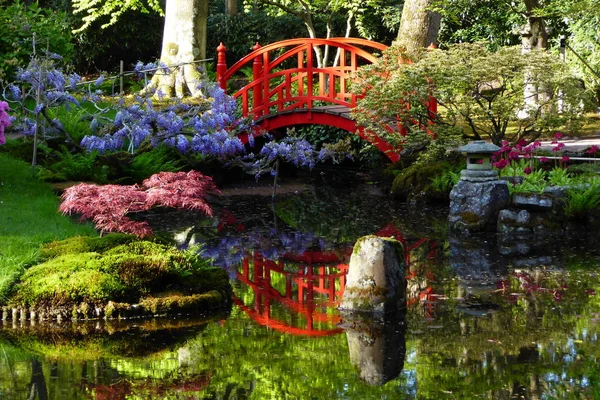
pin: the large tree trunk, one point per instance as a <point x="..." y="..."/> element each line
<point x="184" y="41"/>
<point x="534" y="36"/>
<point x="419" y="26"/>
<point x="231" y="7"/>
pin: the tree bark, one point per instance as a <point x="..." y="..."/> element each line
<point x="534" y="36"/>
<point x="231" y="7"/>
<point x="184" y="41"/>
<point x="419" y="26"/>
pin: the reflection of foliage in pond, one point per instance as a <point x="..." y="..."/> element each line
<point x="323" y="216"/>
<point x="95" y="358"/>
<point x="508" y="342"/>
<point x="345" y="216"/>
<point x="536" y="344"/>
<point x="230" y="250"/>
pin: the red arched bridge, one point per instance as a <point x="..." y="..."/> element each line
<point x="288" y="88"/>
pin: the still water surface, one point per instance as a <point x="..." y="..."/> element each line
<point x="485" y="319"/>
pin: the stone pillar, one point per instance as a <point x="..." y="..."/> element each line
<point x="376" y="281"/>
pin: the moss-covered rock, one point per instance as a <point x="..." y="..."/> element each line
<point x="417" y="182"/>
<point x="177" y="303"/>
<point x="115" y="277"/>
<point x="84" y="244"/>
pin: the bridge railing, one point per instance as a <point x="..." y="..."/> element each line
<point x="286" y="78"/>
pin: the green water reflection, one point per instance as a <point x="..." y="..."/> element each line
<point x="484" y="320"/>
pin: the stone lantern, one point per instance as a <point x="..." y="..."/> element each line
<point x="476" y="200"/>
<point x="479" y="161"/>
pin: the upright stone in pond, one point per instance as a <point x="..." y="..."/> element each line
<point x="375" y="280"/>
<point x="476" y="200"/>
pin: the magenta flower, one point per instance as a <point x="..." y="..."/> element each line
<point x="558" y="147"/>
<point x="592" y="150"/>
<point x="565" y="158"/>
<point x="501" y="164"/>
<point x="4" y="119"/>
<point x="544" y="160"/>
<point x="521" y="144"/>
<point x="505" y="147"/>
<point x="558" y="135"/>
<point x="527" y="170"/>
<point x="513" y="155"/>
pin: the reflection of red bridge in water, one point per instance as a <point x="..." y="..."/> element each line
<point x="314" y="285"/>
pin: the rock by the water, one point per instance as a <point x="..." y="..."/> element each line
<point x="376" y="281"/>
<point x="474" y="206"/>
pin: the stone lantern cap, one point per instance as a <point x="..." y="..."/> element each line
<point x="479" y="147"/>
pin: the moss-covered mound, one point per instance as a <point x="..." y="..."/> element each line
<point x="428" y="184"/>
<point x="118" y="276"/>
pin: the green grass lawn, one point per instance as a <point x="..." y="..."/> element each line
<point x="28" y="217"/>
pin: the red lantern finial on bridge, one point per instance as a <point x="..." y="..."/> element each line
<point x="221" y="65"/>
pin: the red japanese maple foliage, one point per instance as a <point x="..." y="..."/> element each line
<point x="109" y="205"/>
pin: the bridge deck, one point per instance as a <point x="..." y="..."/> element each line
<point x="337" y="110"/>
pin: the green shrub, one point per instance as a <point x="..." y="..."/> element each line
<point x="582" y="200"/>
<point x="84" y="244"/>
<point x="64" y="165"/>
<point x="559" y="177"/>
<point x="19" y="21"/>
<point x="583" y="169"/>
<point x="159" y="159"/>
<point x="534" y="182"/>
<point x="434" y="181"/>
<point x="101" y="49"/>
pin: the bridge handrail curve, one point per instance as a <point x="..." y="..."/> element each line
<point x="247" y="89"/>
<point x="348" y="44"/>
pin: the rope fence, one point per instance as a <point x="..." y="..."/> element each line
<point x="146" y="71"/>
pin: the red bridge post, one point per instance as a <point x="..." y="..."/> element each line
<point x="257" y="67"/>
<point x="221" y="66"/>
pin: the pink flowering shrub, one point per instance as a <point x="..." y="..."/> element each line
<point x="109" y="205"/>
<point x="4" y="120"/>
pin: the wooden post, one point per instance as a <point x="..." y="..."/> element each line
<point x="221" y="66"/>
<point x="121" y="70"/>
<point x="257" y="67"/>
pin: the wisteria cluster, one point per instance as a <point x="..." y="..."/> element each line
<point x="295" y="150"/>
<point x="207" y="126"/>
<point x="45" y="83"/>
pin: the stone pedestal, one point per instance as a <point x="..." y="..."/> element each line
<point x="476" y="201"/>
<point x="376" y="282"/>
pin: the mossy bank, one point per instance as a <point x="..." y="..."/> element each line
<point x="116" y="276"/>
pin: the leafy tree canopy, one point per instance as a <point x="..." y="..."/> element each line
<point x="99" y="9"/>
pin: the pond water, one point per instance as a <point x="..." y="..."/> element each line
<point x="486" y="318"/>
